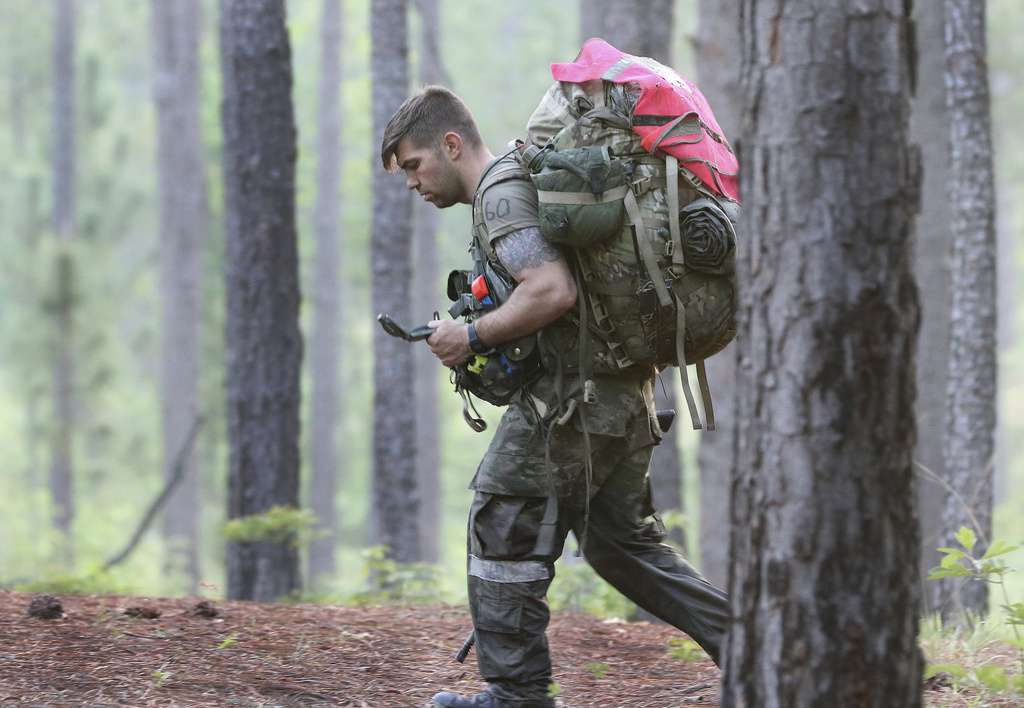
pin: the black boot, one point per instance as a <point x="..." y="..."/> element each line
<point x="486" y="700"/>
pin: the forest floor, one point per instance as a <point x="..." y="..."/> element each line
<point x="110" y="651"/>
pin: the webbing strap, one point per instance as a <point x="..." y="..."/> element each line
<point x="610" y="195"/>
<point x="545" y="543"/>
<point x="647" y="251"/>
<point x="558" y="110"/>
<point x="705" y="395"/>
<point x="588" y="463"/>
<point x="681" y="354"/>
<point x="672" y="183"/>
<point x="472" y="419"/>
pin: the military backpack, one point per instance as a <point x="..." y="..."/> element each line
<point x="636" y="181"/>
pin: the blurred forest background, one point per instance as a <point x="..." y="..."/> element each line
<point x="496" y="55"/>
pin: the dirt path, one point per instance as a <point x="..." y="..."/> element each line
<point x="266" y="655"/>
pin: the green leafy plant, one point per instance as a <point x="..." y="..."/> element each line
<point x="685" y="650"/>
<point x="68" y="584"/>
<point x="387" y="580"/>
<point x="598" y="669"/>
<point x="161" y="676"/>
<point x="990" y="567"/>
<point x="280" y="524"/>
<point x="229" y="641"/>
<point x="578" y="588"/>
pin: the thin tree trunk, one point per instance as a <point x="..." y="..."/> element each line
<point x="718" y="68"/>
<point x="825" y="544"/>
<point x="62" y="493"/>
<point x="426" y="218"/>
<point x="325" y="344"/>
<point x="639" y="27"/>
<point x="395" y="493"/>
<point x="930" y="131"/>
<point x="176" y="27"/>
<point x="264" y="346"/>
<point x="971" y="404"/>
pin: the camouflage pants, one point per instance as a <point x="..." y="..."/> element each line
<point x="518" y="483"/>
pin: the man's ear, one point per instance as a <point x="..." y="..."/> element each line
<point x="452" y="145"/>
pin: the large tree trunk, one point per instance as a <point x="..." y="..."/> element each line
<point x="62" y="493"/>
<point x="395" y="494"/>
<point x="825" y="544"/>
<point x="718" y="69"/>
<point x="971" y="406"/>
<point x="427" y="288"/>
<point x="264" y="346"/>
<point x="930" y="131"/>
<point x="176" y="27"/>
<point x="325" y="344"/>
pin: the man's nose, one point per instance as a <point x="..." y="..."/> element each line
<point x="411" y="182"/>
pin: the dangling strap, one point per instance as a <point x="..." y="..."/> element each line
<point x="588" y="466"/>
<point x="473" y="420"/>
<point x="672" y="184"/>
<point x="681" y="353"/>
<point x="545" y="544"/>
<point x="705" y="395"/>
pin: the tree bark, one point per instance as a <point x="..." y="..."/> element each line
<point x="395" y="493"/>
<point x="825" y="544"/>
<point x="176" y="26"/>
<point x="325" y="344"/>
<point x="929" y="127"/>
<point x="62" y="493"/>
<point x="971" y="404"/>
<point x="426" y="276"/>
<point x="264" y="346"/>
<point x="718" y="70"/>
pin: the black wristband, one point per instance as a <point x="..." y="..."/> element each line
<point x="475" y="343"/>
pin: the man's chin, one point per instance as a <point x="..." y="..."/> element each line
<point x="439" y="202"/>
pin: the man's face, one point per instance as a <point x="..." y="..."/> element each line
<point x="431" y="173"/>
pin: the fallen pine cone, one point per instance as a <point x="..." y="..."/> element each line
<point x="142" y="612"/>
<point x="45" y="607"/>
<point x="203" y="608"/>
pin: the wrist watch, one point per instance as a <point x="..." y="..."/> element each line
<point x="475" y="343"/>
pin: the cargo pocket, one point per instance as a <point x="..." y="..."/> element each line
<point x="496" y="611"/>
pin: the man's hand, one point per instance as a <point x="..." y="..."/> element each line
<point x="450" y="343"/>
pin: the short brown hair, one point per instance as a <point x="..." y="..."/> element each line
<point x="425" y="118"/>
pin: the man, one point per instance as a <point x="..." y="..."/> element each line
<point x="556" y="463"/>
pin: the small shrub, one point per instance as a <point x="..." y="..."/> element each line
<point x="969" y="668"/>
<point x="390" y="581"/>
<point x="279" y="524"/>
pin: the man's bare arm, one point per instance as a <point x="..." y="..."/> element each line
<point x="525" y="249"/>
<point x="546" y="291"/>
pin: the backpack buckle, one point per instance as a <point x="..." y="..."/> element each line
<point x="642" y="186"/>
